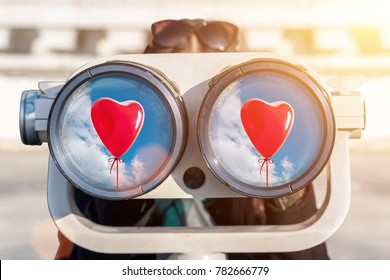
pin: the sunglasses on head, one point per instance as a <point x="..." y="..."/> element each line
<point x="217" y="35"/>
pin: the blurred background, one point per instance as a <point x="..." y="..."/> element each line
<point x="50" y="39"/>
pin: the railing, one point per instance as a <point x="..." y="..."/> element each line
<point x="59" y="36"/>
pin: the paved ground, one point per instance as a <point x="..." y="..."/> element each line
<point x="366" y="232"/>
<point x="28" y="233"/>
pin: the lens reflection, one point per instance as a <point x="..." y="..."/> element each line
<point x="234" y="150"/>
<point x="84" y="150"/>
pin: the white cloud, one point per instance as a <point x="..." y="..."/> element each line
<point x="80" y="141"/>
<point x="147" y="162"/>
<point x="288" y="168"/>
<point x="138" y="167"/>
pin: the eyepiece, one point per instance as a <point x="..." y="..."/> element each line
<point x="28" y="134"/>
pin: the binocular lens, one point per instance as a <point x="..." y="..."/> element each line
<point x="265" y="128"/>
<point x="119" y="134"/>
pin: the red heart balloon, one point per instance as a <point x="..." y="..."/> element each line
<point x="117" y="123"/>
<point x="267" y="124"/>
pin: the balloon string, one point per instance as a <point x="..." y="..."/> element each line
<point x="265" y="161"/>
<point x="115" y="160"/>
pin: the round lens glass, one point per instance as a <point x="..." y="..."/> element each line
<point x="117" y="132"/>
<point x="233" y="145"/>
<point x="266" y="128"/>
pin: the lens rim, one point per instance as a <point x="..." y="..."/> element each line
<point x="303" y="76"/>
<point x="156" y="80"/>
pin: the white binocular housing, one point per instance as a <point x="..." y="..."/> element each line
<point x="208" y="125"/>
